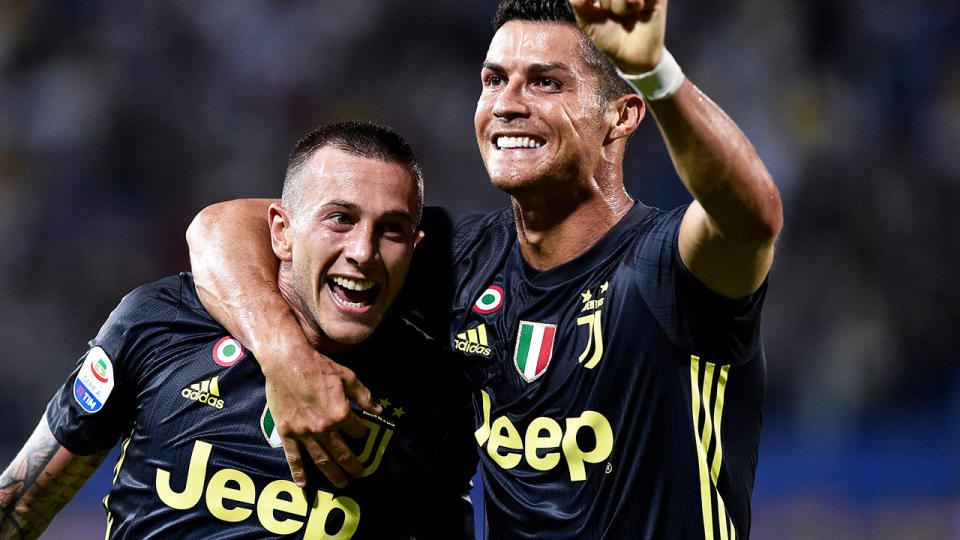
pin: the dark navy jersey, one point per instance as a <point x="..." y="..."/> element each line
<point x="200" y="454"/>
<point x="616" y="396"/>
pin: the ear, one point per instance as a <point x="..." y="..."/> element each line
<point x="629" y="110"/>
<point x="418" y="238"/>
<point x="280" y="232"/>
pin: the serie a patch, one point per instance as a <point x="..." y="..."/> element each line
<point x="95" y="380"/>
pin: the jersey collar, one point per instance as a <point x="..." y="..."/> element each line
<point x="586" y="261"/>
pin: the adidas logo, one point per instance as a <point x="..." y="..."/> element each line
<point x="207" y="391"/>
<point x="473" y="341"/>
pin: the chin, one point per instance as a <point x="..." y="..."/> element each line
<point x="511" y="179"/>
<point x="350" y="332"/>
<point x="517" y="187"/>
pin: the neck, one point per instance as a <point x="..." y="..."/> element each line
<point x="556" y="227"/>
<point x="311" y="329"/>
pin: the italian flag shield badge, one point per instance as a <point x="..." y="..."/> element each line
<point x="269" y="428"/>
<point x="534" y="349"/>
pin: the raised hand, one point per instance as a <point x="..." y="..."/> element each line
<point x="629" y="32"/>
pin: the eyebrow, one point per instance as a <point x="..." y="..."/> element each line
<point x="353" y="207"/>
<point x="395" y="214"/>
<point x="492" y="66"/>
<point x="341" y="203"/>
<point x="532" y="69"/>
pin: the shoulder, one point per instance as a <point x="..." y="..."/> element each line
<point x="450" y="235"/>
<point x="654" y="222"/>
<point x="150" y="312"/>
<point x="483" y="236"/>
<point x="653" y="233"/>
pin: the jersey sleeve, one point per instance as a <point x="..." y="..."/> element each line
<point x="97" y="403"/>
<point x="697" y="319"/>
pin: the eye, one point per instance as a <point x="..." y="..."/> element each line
<point x="492" y="80"/>
<point x="394" y="230"/>
<point x="548" y="83"/>
<point x="340" y="219"/>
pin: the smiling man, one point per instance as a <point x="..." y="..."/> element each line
<point x="614" y="348"/>
<point x="201" y="456"/>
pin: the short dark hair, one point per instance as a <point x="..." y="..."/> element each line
<point x="610" y="85"/>
<point x="360" y="138"/>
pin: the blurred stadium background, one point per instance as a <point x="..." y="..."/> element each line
<point x="120" y="120"/>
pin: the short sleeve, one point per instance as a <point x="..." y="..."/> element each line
<point x="696" y="319"/>
<point x="96" y="404"/>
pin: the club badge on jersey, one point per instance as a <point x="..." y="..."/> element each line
<point x="380" y="431"/>
<point x="593" y="352"/>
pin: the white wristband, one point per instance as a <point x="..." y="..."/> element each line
<point x="660" y="82"/>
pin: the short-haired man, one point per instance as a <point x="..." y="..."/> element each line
<point x="614" y="348"/>
<point x="201" y="456"/>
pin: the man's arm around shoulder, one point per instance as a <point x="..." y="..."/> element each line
<point x="235" y="271"/>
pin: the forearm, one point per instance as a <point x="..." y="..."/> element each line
<point x="235" y="271"/>
<point x="39" y="482"/>
<point x="719" y="166"/>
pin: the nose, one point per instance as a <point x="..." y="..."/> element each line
<point x="361" y="246"/>
<point x="510" y="103"/>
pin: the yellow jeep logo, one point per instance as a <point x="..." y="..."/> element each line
<point x="544" y="441"/>
<point x="230" y="495"/>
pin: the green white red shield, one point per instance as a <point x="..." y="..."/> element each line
<point x="534" y="349"/>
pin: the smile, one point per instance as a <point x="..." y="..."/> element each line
<point x="504" y="142"/>
<point x="353" y="293"/>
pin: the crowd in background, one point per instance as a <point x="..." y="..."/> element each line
<point x="120" y="120"/>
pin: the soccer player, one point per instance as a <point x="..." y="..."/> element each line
<point x="200" y="455"/>
<point x="614" y="348"/>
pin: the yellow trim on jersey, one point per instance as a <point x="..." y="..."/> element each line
<point x="123" y="454"/>
<point x="709" y="466"/>
<point x="116" y="473"/>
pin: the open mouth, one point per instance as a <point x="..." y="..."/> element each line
<point x="353" y="293"/>
<point x="505" y="143"/>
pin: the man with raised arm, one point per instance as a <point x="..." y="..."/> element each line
<point x="614" y="348"/>
<point x="201" y="457"/>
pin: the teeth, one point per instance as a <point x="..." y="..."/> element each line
<point x="518" y="142"/>
<point x="343" y="302"/>
<point x="360" y="285"/>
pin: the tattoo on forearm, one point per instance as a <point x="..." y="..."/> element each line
<point x="41" y="480"/>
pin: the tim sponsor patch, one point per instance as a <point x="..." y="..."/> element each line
<point x="94" y="380"/>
